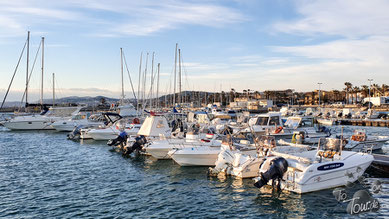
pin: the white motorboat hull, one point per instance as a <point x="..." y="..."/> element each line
<point x="29" y="125"/>
<point x="109" y="133"/>
<point x="195" y="156"/>
<point x="161" y="148"/>
<point x="368" y="144"/>
<point x="85" y="135"/>
<point x="248" y="171"/>
<point x="103" y="134"/>
<point x="326" y="122"/>
<point x="320" y="176"/>
<point x="68" y="126"/>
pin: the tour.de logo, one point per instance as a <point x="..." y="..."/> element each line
<point x="361" y="201"/>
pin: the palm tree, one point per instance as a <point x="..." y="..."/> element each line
<point x="376" y="89"/>
<point x="365" y="90"/>
<point x="347" y="89"/>
<point x="384" y="88"/>
<point x="355" y="93"/>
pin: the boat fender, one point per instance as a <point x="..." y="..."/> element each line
<point x="278" y="130"/>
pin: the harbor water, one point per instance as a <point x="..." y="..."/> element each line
<point x="44" y="175"/>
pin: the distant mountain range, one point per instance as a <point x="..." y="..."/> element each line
<point x="72" y="99"/>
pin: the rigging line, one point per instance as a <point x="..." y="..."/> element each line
<point x="185" y="72"/>
<point x="151" y="85"/>
<point x="32" y="69"/>
<point x="13" y="76"/>
<point x="128" y="72"/>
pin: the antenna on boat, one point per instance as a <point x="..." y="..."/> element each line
<point x="43" y="53"/>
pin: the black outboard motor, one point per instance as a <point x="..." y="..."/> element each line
<point x="76" y="133"/>
<point x="120" y="140"/>
<point x="138" y="145"/>
<point x="272" y="169"/>
<point x="325" y="130"/>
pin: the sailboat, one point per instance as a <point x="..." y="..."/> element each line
<point x="44" y="120"/>
<point x="126" y="122"/>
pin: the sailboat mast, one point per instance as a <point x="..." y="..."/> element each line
<point x="53" y="90"/>
<point x="140" y="72"/>
<point x="144" y="82"/>
<point x="159" y="64"/>
<point x="221" y="97"/>
<point x="152" y="82"/>
<point x="179" y="77"/>
<point x="175" y="72"/>
<point x="121" y="68"/>
<point x="43" y="55"/>
<point x="28" y="58"/>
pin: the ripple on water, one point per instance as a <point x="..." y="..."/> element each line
<point x="44" y="175"/>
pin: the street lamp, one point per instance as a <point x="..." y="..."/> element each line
<point x="319" y="90"/>
<point x="370" y="80"/>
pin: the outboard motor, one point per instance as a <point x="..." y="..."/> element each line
<point x="271" y="169"/>
<point x="120" y="140"/>
<point x="325" y="130"/>
<point x="76" y="133"/>
<point x="138" y="145"/>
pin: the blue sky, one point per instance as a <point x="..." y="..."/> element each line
<point x="243" y="44"/>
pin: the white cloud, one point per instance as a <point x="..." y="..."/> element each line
<point x="339" y="17"/>
<point x="116" y="17"/>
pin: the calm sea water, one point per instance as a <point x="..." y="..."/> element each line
<point x="43" y="175"/>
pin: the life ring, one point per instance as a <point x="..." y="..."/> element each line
<point x="278" y="130"/>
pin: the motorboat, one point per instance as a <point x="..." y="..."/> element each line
<point x="110" y="119"/>
<point x="360" y="141"/>
<point x="161" y="147"/>
<point x="326" y="167"/>
<point x="111" y="132"/>
<point x="154" y="128"/>
<point x="83" y="120"/>
<point x="260" y="123"/>
<point x="303" y="125"/>
<point x="206" y="155"/>
<point x="234" y="162"/>
<point x="114" y="122"/>
<point x="41" y="122"/>
<point x="326" y="121"/>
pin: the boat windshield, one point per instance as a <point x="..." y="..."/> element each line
<point x="329" y="144"/>
<point x="262" y="120"/>
<point x="275" y="120"/>
<point x="292" y="122"/>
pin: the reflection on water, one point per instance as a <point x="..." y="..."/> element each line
<point x="44" y="175"/>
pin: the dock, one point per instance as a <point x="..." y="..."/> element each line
<point x="365" y="122"/>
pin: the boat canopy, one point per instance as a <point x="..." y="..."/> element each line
<point x="155" y="126"/>
<point x="63" y="111"/>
